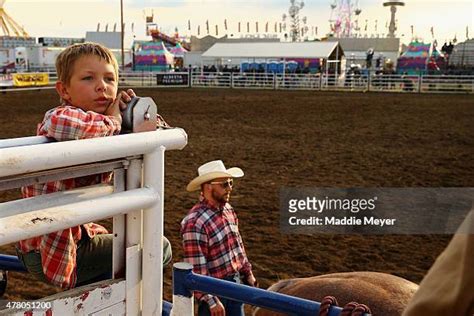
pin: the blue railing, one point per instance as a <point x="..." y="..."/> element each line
<point x="11" y="263"/>
<point x="185" y="282"/>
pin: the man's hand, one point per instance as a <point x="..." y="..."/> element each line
<point x="250" y="280"/>
<point x="218" y="309"/>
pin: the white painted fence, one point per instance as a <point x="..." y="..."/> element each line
<point x="330" y="82"/>
<point x="135" y="201"/>
<point x="291" y="81"/>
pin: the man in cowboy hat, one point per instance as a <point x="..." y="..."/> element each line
<point x="211" y="238"/>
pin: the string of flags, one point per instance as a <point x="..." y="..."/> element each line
<point x="279" y="27"/>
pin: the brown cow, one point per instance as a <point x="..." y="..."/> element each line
<point x="385" y="294"/>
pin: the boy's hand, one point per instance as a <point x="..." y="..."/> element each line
<point x="120" y="104"/>
<point x="125" y="97"/>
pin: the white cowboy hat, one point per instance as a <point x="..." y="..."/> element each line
<point x="212" y="170"/>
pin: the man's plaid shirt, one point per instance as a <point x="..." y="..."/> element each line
<point x="212" y="243"/>
<point x="58" y="250"/>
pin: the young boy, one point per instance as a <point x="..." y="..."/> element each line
<point x="90" y="107"/>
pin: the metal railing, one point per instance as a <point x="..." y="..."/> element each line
<point x="137" y="237"/>
<point x="138" y="79"/>
<point x="253" y="80"/>
<point x="211" y="79"/>
<point x="446" y="84"/>
<point x="364" y="82"/>
<point x="185" y="282"/>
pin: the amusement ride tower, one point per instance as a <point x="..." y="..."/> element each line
<point x="297" y="27"/>
<point x="346" y="22"/>
<point x="8" y="25"/>
<point x="393" y="9"/>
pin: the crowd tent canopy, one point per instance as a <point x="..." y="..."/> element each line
<point x="420" y="58"/>
<point x="277" y="57"/>
<point x="152" y="56"/>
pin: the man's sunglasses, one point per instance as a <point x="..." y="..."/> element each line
<point x="225" y="184"/>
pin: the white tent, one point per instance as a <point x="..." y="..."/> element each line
<point x="271" y="50"/>
<point x="236" y="53"/>
<point x="463" y="54"/>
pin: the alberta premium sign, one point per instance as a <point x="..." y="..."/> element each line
<point x="172" y="79"/>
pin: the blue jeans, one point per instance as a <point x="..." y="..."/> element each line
<point x="232" y="308"/>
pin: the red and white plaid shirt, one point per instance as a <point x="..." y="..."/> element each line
<point x="212" y="243"/>
<point x="58" y="250"/>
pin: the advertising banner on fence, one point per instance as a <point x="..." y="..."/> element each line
<point x="172" y="79"/>
<point x="6" y="80"/>
<point x="30" y="79"/>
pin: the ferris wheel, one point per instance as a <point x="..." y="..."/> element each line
<point x="9" y="26"/>
<point x="344" y="20"/>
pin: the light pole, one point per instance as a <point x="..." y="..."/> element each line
<point x="122" y="34"/>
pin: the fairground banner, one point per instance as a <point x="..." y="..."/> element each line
<point x="30" y="79"/>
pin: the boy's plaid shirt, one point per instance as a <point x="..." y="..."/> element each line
<point x="212" y="243"/>
<point x="58" y="250"/>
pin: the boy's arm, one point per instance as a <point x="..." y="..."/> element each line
<point x="70" y="123"/>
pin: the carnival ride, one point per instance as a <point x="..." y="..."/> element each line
<point x="9" y="26"/>
<point x="345" y="23"/>
<point x="160" y="54"/>
<point x="393" y="9"/>
<point x="152" y="56"/>
<point x="421" y="58"/>
<point x="160" y="36"/>
<point x="157" y="35"/>
<point x="297" y="27"/>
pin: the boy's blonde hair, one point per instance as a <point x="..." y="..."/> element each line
<point x="68" y="57"/>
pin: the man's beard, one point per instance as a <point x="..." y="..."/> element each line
<point x="221" y="198"/>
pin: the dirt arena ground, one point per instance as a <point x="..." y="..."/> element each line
<point x="295" y="139"/>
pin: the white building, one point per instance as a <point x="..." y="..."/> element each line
<point x="112" y="40"/>
<point x="355" y="49"/>
<point x="43" y="58"/>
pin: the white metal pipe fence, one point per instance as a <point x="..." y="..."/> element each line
<point x="374" y="82"/>
<point x="34" y="160"/>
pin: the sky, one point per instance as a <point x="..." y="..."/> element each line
<point x="68" y="18"/>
